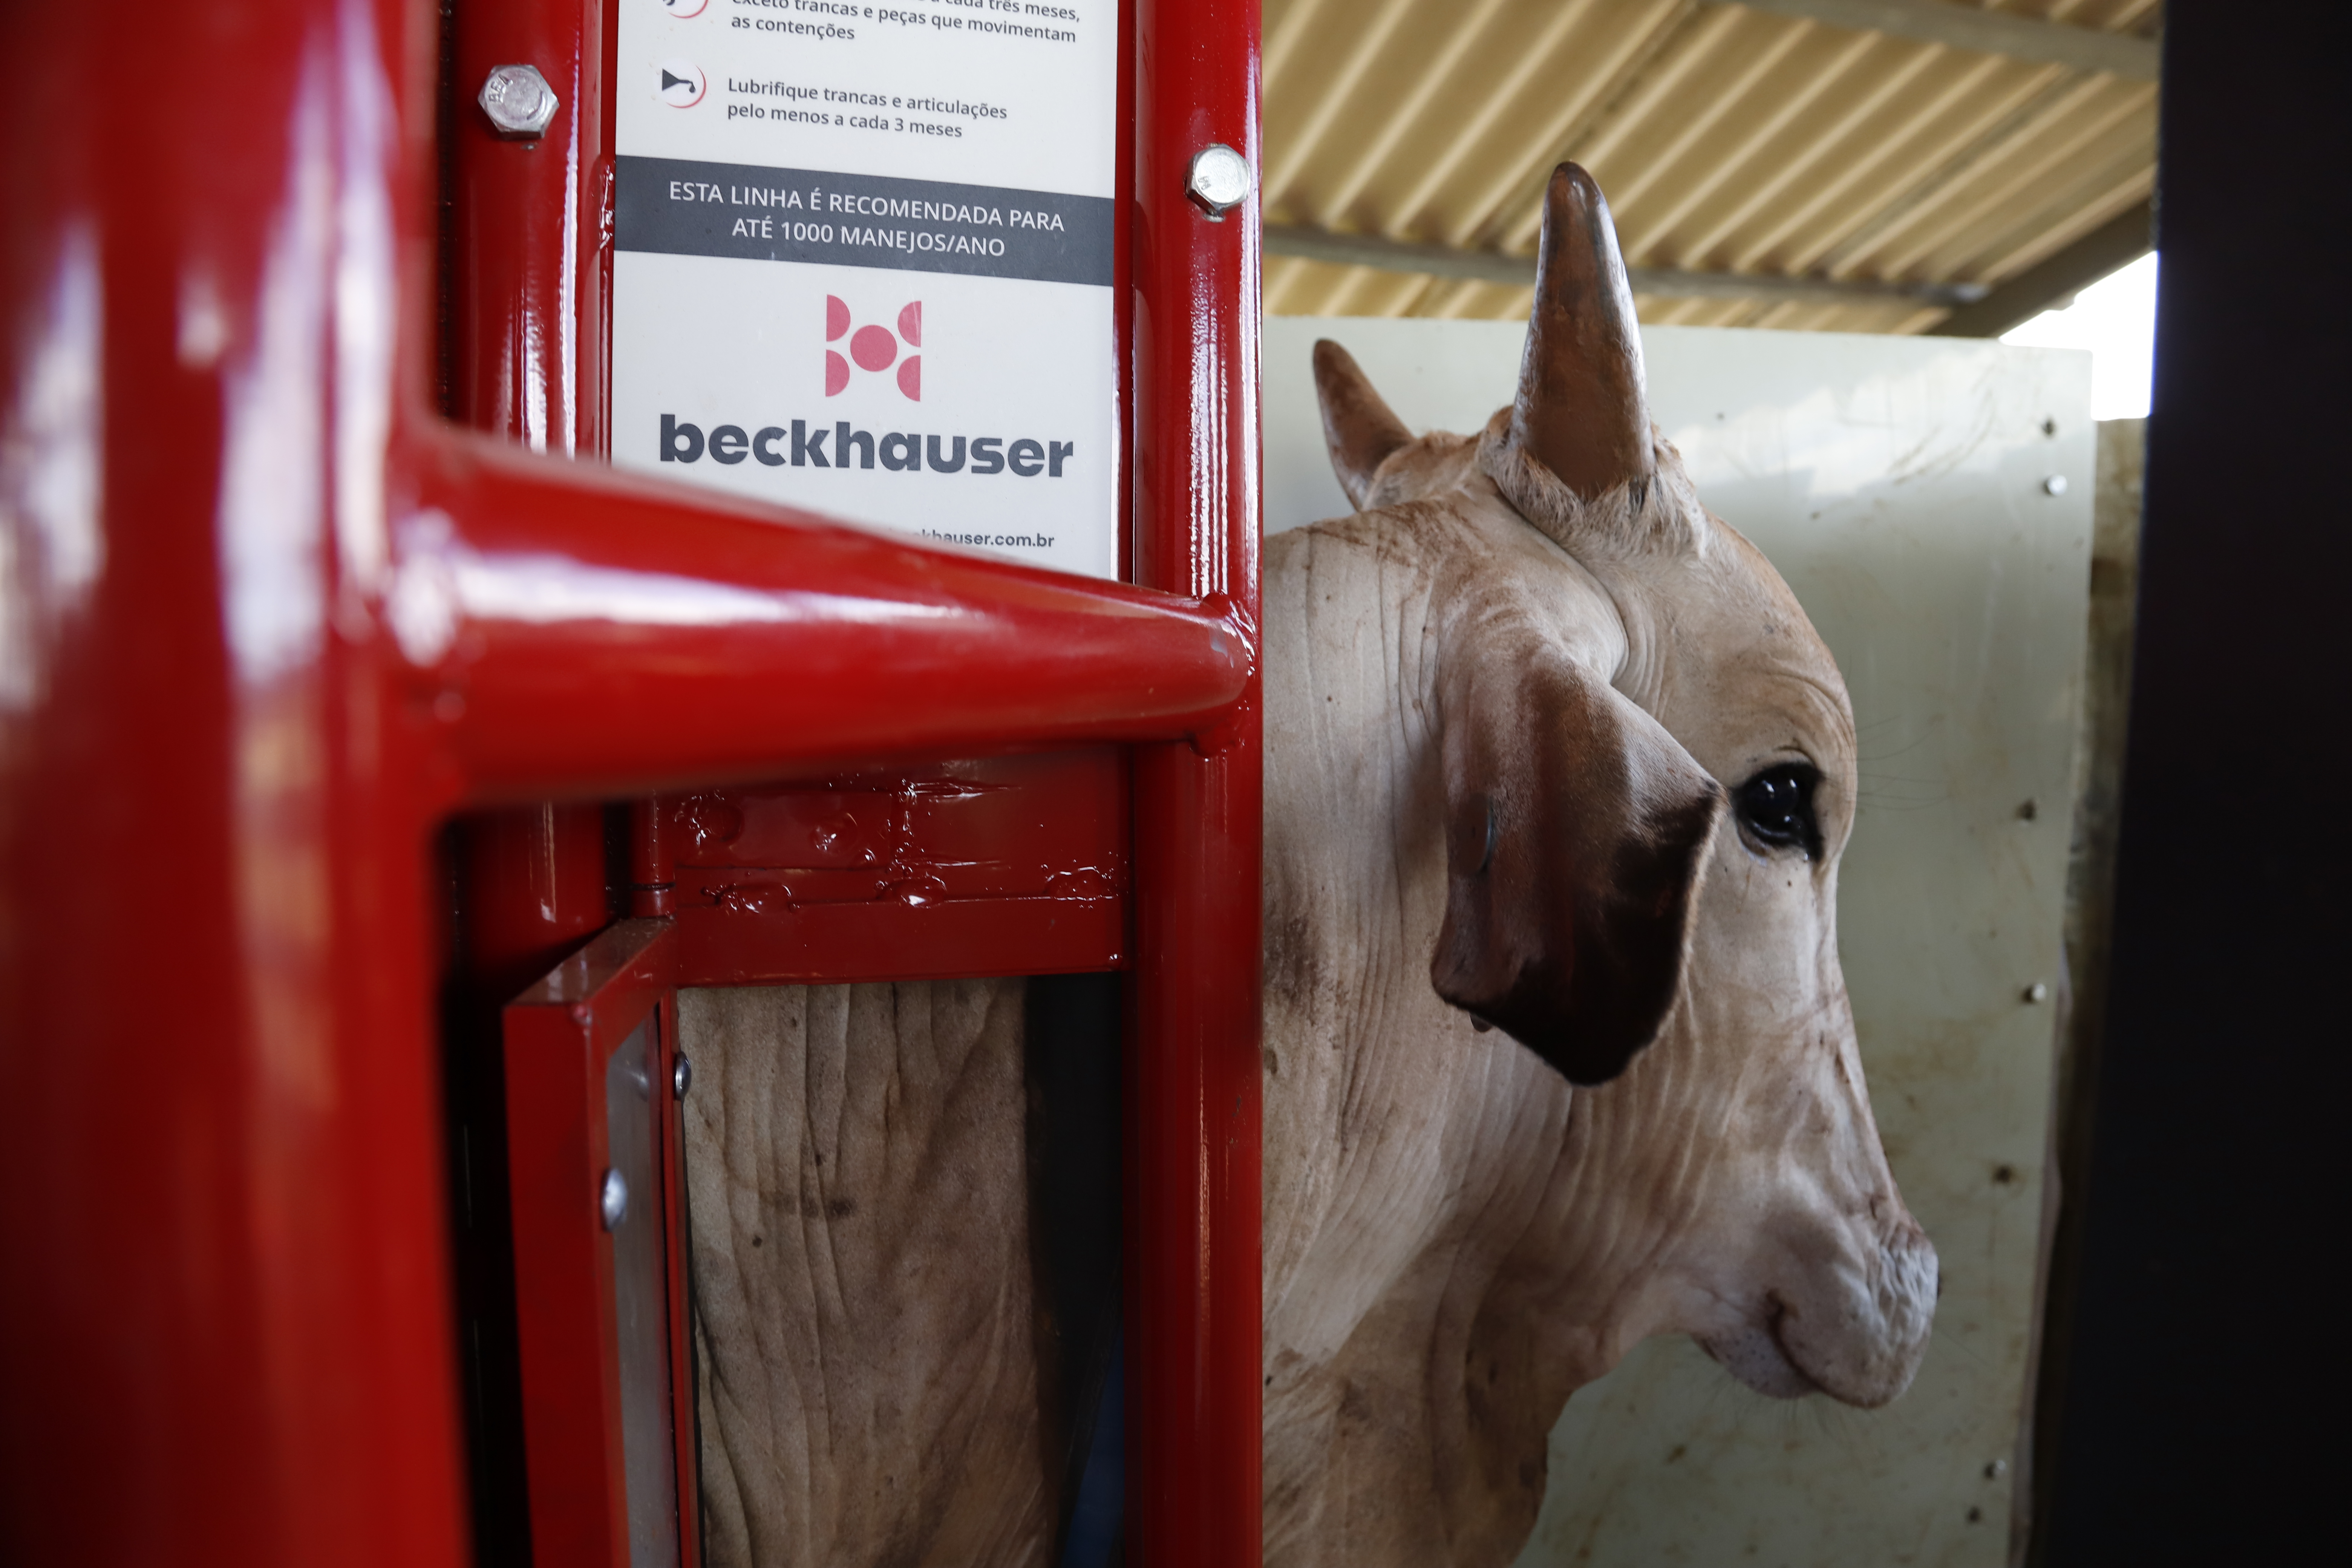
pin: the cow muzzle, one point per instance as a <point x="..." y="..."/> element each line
<point x="1853" y="1328"/>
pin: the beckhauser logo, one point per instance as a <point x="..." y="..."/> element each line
<point x="805" y="445"/>
<point x="873" y="348"/>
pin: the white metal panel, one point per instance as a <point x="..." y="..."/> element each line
<point x="1898" y="485"/>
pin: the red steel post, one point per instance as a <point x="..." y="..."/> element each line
<point x="521" y="287"/>
<point x="533" y="883"/>
<point x="225" y="1335"/>
<point x="1192" y="1483"/>
<point x="653" y="866"/>
<point x="558" y="1034"/>
<point x="524" y="284"/>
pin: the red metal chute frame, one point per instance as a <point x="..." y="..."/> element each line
<point x="266" y="620"/>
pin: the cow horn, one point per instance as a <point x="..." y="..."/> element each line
<point x="1581" y="410"/>
<point x="1357" y="425"/>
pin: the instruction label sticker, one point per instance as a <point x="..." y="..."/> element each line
<point x="862" y="263"/>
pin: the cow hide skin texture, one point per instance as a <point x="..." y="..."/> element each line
<point x="864" y="1300"/>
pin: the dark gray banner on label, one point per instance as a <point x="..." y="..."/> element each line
<point x="676" y="207"/>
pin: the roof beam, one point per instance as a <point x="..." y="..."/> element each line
<point x="1520" y="272"/>
<point x="1981" y="32"/>
<point x="2051" y="282"/>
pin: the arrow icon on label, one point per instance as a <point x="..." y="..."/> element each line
<point x="682" y="84"/>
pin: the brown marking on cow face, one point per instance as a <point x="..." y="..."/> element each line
<point x="1573" y="830"/>
<point x="1572" y="823"/>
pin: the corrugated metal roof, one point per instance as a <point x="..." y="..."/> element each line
<point x="1729" y="138"/>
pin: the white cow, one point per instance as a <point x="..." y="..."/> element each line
<point x="1499" y="701"/>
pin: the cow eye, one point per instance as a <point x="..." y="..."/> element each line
<point x="1775" y="808"/>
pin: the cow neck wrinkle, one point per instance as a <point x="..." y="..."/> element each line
<point x="1617" y="540"/>
<point x="1597" y="639"/>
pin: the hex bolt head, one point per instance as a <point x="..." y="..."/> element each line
<point x="613" y="1200"/>
<point x="1219" y="181"/>
<point x="518" y="100"/>
<point x="2055" y="485"/>
<point x="681" y="1077"/>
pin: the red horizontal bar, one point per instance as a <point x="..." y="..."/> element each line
<point x="840" y="943"/>
<point x="574" y="631"/>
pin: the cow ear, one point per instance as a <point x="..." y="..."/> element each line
<point x="1581" y="410"/>
<point x="1575" y="829"/>
<point x="1358" y="427"/>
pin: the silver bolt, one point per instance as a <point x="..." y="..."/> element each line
<point x="518" y="100"/>
<point x="1220" y="179"/>
<point x="2037" y="992"/>
<point x="2054" y="485"/>
<point x="613" y="1200"/>
<point x="681" y="1077"/>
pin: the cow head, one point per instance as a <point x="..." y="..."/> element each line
<point x="1731" y="1185"/>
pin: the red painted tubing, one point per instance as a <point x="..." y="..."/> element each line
<point x="522" y="305"/>
<point x="224" y="1310"/>
<point x="580" y="631"/>
<point x="1192" y="1062"/>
